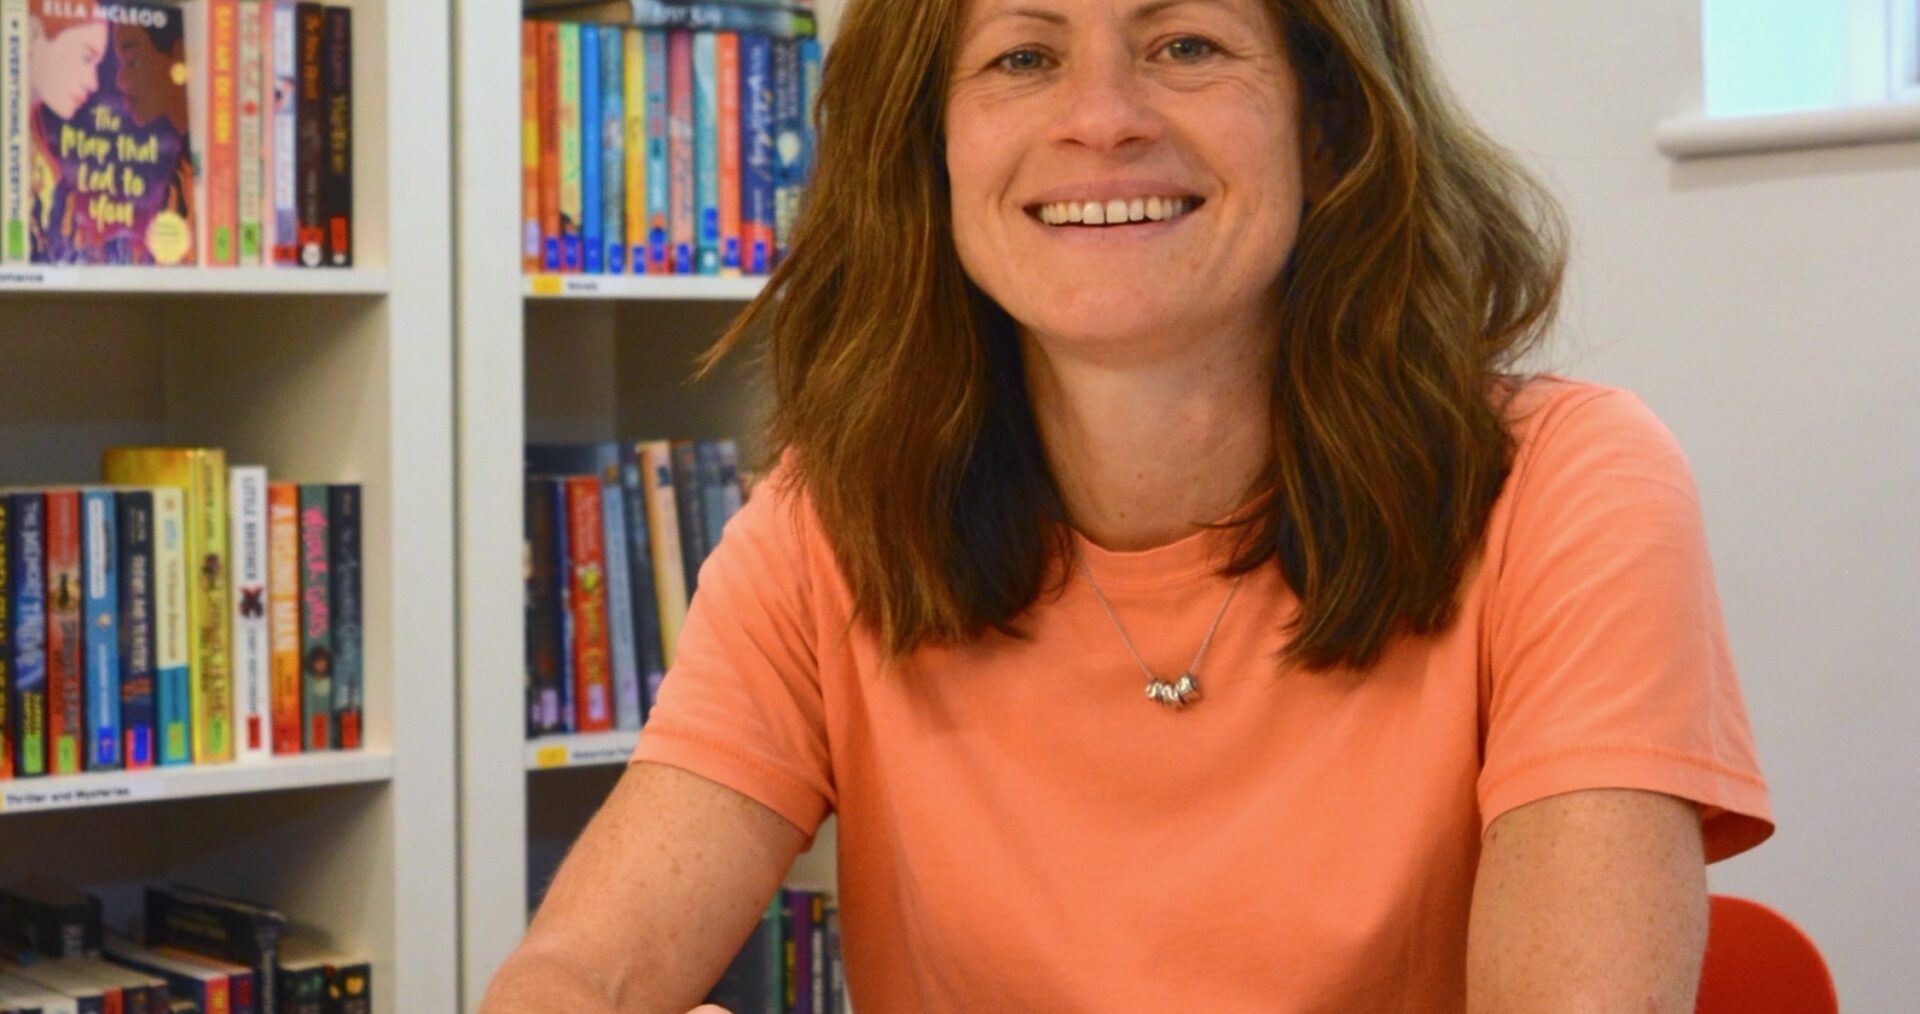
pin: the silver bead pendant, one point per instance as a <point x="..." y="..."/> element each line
<point x="1175" y="695"/>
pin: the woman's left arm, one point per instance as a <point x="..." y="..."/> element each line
<point x="1590" y="901"/>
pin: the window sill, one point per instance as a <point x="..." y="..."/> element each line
<point x="1691" y="137"/>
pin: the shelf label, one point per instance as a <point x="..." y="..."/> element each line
<point x="603" y="755"/>
<point x="551" y="757"/>
<point x="18" y="277"/>
<point x="546" y="285"/>
<point x="24" y="797"/>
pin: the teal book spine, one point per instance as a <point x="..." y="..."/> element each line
<point x="613" y="149"/>
<point x="100" y="598"/>
<point x="659" y="186"/>
<point x="706" y="150"/>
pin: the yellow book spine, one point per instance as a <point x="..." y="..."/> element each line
<point x="635" y="66"/>
<point x="663" y="530"/>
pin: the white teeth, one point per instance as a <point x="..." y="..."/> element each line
<point x="1156" y="211"/>
<point x="1137" y="210"/>
<point x="1115" y="212"/>
<point x="1094" y="213"/>
<point x="1075" y="213"/>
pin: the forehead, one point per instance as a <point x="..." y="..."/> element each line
<point x="980" y="12"/>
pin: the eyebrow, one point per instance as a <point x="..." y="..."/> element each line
<point x="1141" y="13"/>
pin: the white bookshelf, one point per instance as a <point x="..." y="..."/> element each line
<point x="548" y="358"/>
<point x="322" y="375"/>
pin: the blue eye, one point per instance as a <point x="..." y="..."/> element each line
<point x="1022" y="61"/>
<point x="1190" y="49"/>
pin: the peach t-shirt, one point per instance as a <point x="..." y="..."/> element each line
<point x="1020" y="828"/>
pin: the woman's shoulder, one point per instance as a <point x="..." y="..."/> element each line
<point x="1553" y="418"/>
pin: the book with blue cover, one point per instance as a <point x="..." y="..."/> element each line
<point x="100" y="616"/>
<point x="756" y="156"/>
<point x="135" y="529"/>
<point x="27" y="600"/>
<point x="659" y="186"/>
<point x="592" y="166"/>
<point x="613" y="149"/>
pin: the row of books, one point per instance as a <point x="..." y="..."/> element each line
<point x="651" y="151"/>
<point x="615" y="535"/>
<point x="201" y="133"/>
<point x="198" y="951"/>
<point x="188" y="613"/>
<point x="791" y="964"/>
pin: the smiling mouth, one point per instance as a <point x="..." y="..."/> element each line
<point x="1116" y="212"/>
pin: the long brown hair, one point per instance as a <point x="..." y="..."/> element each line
<point x="1432" y="264"/>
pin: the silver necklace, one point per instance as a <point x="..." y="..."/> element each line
<point x="1185" y="690"/>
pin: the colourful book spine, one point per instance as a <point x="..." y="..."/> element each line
<point x="66" y="702"/>
<point x="592" y="166"/>
<point x="15" y="108"/>
<point x="568" y="116"/>
<point x="659" y="183"/>
<point x="551" y="256"/>
<point x="687" y="499"/>
<point x="251" y="124"/>
<point x="316" y="613"/>
<point x="663" y="525"/>
<point x="137" y="626"/>
<point x="634" y="49"/>
<point x="223" y="149"/>
<point x="8" y="721"/>
<point x="683" y="205"/>
<point x="27" y="598"/>
<point x="100" y="617"/>
<point x="546" y="659"/>
<point x="284" y="83"/>
<point x="593" y="679"/>
<point x="728" y="16"/>
<point x="310" y="133"/>
<point x="620" y="635"/>
<point x="563" y="556"/>
<point x="613" y="149"/>
<point x="283" y="609"/>
<point x="756" y="141"/>
<point x="530" y="257"/>
<point x="706" y="150"/>
<point x="253" y="709"/>
<point x="788" y="141"/>
<point x="343" y="542"/>
<point x="809" y="112"/>
<point x="339" y="188"/>
<point x="727" y="126"/>
<point x="173" y="627"/>
<point x="646" y="603"/>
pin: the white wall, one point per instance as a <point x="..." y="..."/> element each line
<point x="1768" y="308"/>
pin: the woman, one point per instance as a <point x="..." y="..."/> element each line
<point x="1437" y="715"/>
<point x="64" y="55"/>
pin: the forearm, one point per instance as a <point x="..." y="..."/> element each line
<point x="531" y="982"/>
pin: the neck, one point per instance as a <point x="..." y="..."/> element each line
<point x="1146" y="453"/>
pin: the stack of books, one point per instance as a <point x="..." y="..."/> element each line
<point x="188" y="613"/>
<point x="215" y="133"/>
<point x="665" y="138"/>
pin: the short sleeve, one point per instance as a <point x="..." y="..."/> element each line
<point x="1608" y="658"/>
<point x="741" y="704"/>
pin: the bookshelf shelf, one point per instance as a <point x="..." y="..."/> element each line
<point x="660" y="287"/>
<point x="30" y="279"/>
<point x="116" y="788"/>
<point x="592" y="749"/>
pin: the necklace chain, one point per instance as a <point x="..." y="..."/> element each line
<point x="1186" y="689"/>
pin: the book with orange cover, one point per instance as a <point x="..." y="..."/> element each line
<point x="223" y="132"/>
<point x="530" y="246"/>
<point x="727" y="84"/>
<point x="586" y="549"/>
<point x="283" y="613"/>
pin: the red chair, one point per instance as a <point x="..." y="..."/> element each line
<point x="1760" y="963"/>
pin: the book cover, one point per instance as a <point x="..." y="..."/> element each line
<point x="202" y="474"/>
<point x="89" y="997"/>
<point x="283" y="81"/>
<point x="8" y="722"/>
<point x="111" y="176"/>
<point x="753" y="981"/>
<point x="567" y="116"/>
<point x="350" y="987"/>
<point x="756" y="154"/>
<point x="634" y="84"/>
<point x="220" y="927"/>
<point x="251" y="125"/>
<point x="613" y="150"/>
<point x="173" y="628"/>
<point x="782" y="19"/>
<point x="551" y="256"/>
<point x="713" y="495"/>
<point x="706" y="151"/>
<point x="659" y="198"/>
<point x="252" y="680"/>
<point x="687" y="499"/>
<point x="817" y="951"/>
<point x="683" y="206"/>
<point x="789" y="138"/>
<point x="620" y="634"/>
<point x="66" y="696"/>
<point x="301" y="985"/>
<point x="138" y="626"/>
<point x="100" y="622"/>
<point x="530" y="256"/>
<point x="799" y="949"/>
<point x="316" y="617"/>
<point x="344" y="530"/>
<point x="563" y="553"/>
<point x="727" y="125"/>
<point x="663" y="524"/>
<point x="338" y="195"/>
<point x="23" y="996"/>
<point x="310" y="133"/>
<point x="283" y="613"/>
<point x="592" y="675"/>
<point x="592" y="165"/>
<point x="546" y="668"/>
<point x="223" y="135"/>
<point x="15" y="110"/>
<point x="206" y="987"/>
<point x="646" y="603"/>
<point x="49" y="919"/>
<point x="27" y="603"/>
<point x="317" y="981"/>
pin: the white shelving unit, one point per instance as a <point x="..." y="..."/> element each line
<point x="342" y="376"/>
<point x="547" y="358"/>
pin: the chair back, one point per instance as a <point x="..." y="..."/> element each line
<point x="1760" y="963"/>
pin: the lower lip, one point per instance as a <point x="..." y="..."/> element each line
<point x="1131" y="232"/>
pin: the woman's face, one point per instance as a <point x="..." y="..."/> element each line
<point x="1179" y="118"/>
<point x="66" y="66"/>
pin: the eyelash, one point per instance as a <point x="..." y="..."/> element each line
<point x="1002" y="62"/>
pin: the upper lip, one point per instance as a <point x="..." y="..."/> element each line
<point x="1109" y="190"/>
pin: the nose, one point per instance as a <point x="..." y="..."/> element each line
<point x="1106" y="101"/>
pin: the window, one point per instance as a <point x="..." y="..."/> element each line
<point x="1776" y="56"/>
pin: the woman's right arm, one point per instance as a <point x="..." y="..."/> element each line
<point x="652" y="903"/>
